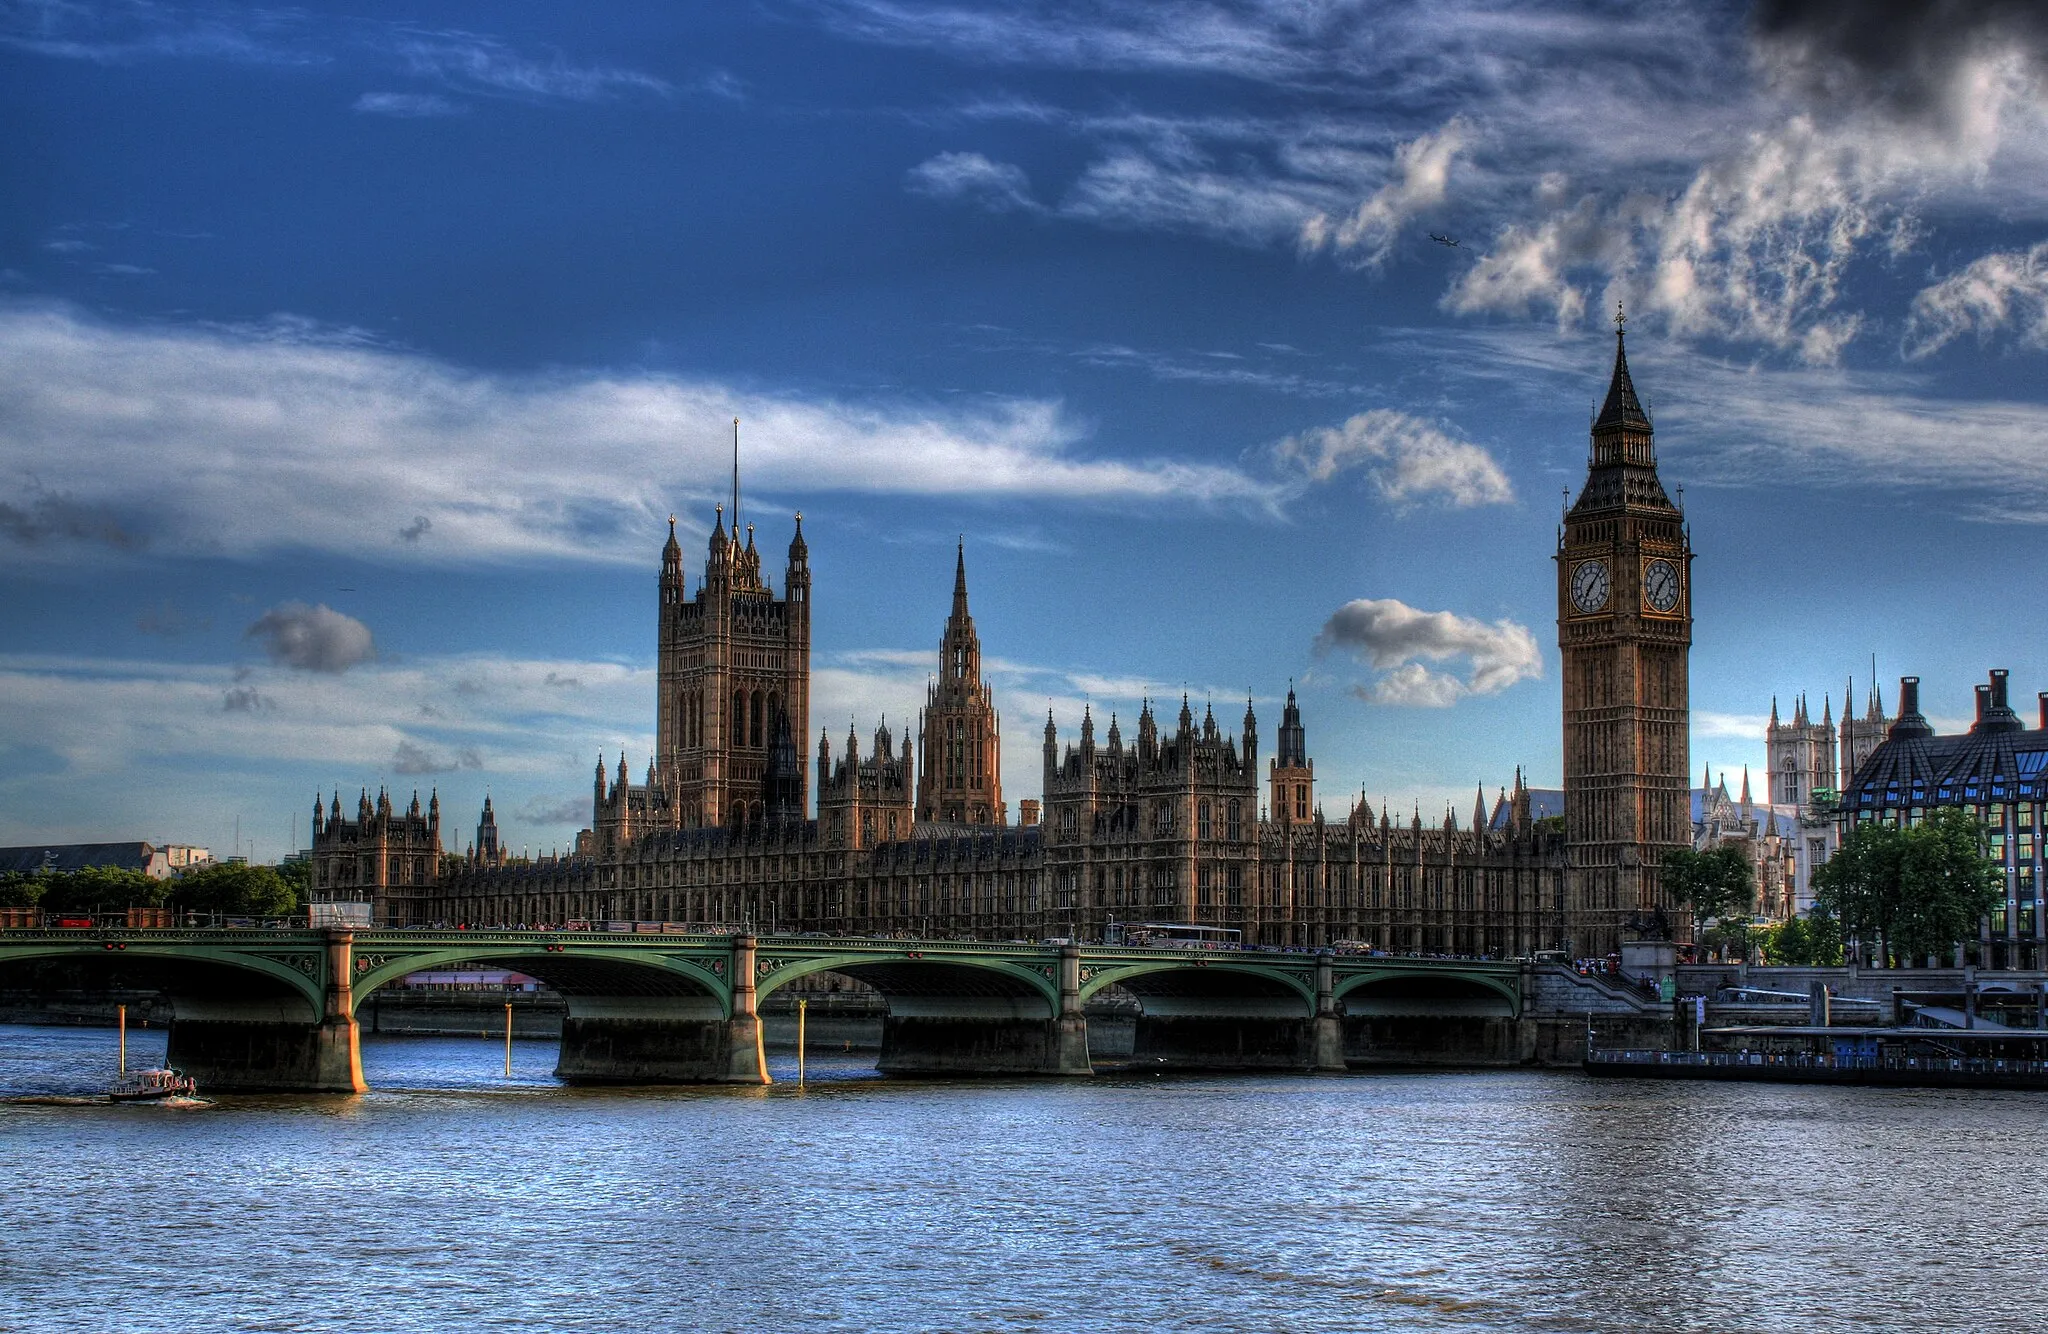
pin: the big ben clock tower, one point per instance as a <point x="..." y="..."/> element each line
<point x="1624" y="628"/>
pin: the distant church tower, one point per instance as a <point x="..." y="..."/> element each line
<point x="1624" y="628"/>
<point x="960" y="731"/>
<point x="734" y="675"/>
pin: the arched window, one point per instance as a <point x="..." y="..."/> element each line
<point x="754" y="729"/>
<point x="774" y="708"/>
<point x="739" y="718"/>
<point x="1233" y="817"/>
<point x="1202" y="820"/>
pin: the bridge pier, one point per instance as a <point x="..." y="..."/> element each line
<point x="266" y="1045"/>
<point x="1326" y="1036"/>
<point x="989" y="1035"/>
<point x="667" y="1039"/>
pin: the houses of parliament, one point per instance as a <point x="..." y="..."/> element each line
<point x="1181" y="819"/>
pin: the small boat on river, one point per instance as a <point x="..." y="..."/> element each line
<point x="152" y="1086"/>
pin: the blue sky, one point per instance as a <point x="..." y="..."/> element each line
<point x="352" y="360"/>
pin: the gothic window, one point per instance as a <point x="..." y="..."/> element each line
<point x="867" y="826"/>
<point x="754" y="722"/>
<point x="739" y="719"/>
<point x="1232" y="816"/>
<point x="1205" y="886"/>
<point x="1202" y="820"/>
<point x="1301" y="801"/>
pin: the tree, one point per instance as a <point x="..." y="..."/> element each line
<point x="1712" y="884"/>
<point x="1814" y="940"/>
<point x="1921" y="889"/>
<point x="21" y="891"/>
<point x="100" y="889"/>
<point x="236" y="889"/>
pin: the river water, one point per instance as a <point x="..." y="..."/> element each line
<point x="454" y="1198"/>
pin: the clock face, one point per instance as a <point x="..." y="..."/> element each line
<point x="1589" y="585"/>
<point x="1660" y="585"/>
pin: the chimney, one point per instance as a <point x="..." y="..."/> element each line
<point x="2044" y="710"/>
<point x="1994" y="714"/>
<point x="1909" y="723"/>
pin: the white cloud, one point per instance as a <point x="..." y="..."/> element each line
<point x="483" y="63"/>
<point x="1744" y="726"/>
<point x="240" y="440"/>
<point x="1399" y="640"/>
<point x="313" y="639"/>
<point x="408" y="106"/>
<point x="2001" y="290"/>
<point x="999" y="187"/>
<point x="1132" y="189"/>
<point x="1408" y="459"/>
<point x="1421" y="180"/>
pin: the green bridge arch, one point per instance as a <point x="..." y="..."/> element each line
<point x="1505" y="986"/>
<point x="1294" y="981"/>
<point x="1036" y="981"/>
<point x="301" y="976"/>
<point x="704" y="976"/>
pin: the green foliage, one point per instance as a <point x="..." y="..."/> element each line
<point x="1550" y="824"/>
<point x="21" y="891"/>
<point x="1811" y="941"/>
<point x="1921" y="889"/>
<point x="298" y="875"/>
<point x="236" y="890"/>
<point x="91" y="889"/>
<point x="1713" y="884"/>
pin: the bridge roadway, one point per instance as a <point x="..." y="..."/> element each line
<point x="266" y="1009"/>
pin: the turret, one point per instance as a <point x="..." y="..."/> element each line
<point x="672" y="591"/>
<point x="1251" y="737"/>
<point x="796" y="576"/>
<point x="319" y="825"/>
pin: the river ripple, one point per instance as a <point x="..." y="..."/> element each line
<point x="452" y="1198"/>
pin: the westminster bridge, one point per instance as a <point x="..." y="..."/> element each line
<point x="275" y="1009"/>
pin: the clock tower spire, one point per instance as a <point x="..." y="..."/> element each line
<point x="1624" y="630"/>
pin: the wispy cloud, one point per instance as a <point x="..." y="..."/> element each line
<point x="998" y="187"/>
<point x="130" y="31"/>
<point x="1408" y="460"/>
<point x="240" y="440"/>
<point x="482" y="63"/>
<point x="1724" y="169"/>
<point x="407" y="106"/>
<point x="2006" y="289"/>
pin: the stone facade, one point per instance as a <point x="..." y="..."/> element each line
<point x="1166" y="828"/>
<point x="1624" y="630"/>
<point x="388" y="858"/>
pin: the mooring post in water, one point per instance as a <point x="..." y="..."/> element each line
<point x="508" y="1039"/>
<point x="802" y="1006"/>
<point x="121" y="1022"/>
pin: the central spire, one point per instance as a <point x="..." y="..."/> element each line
<point x="1622" y="408"/>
